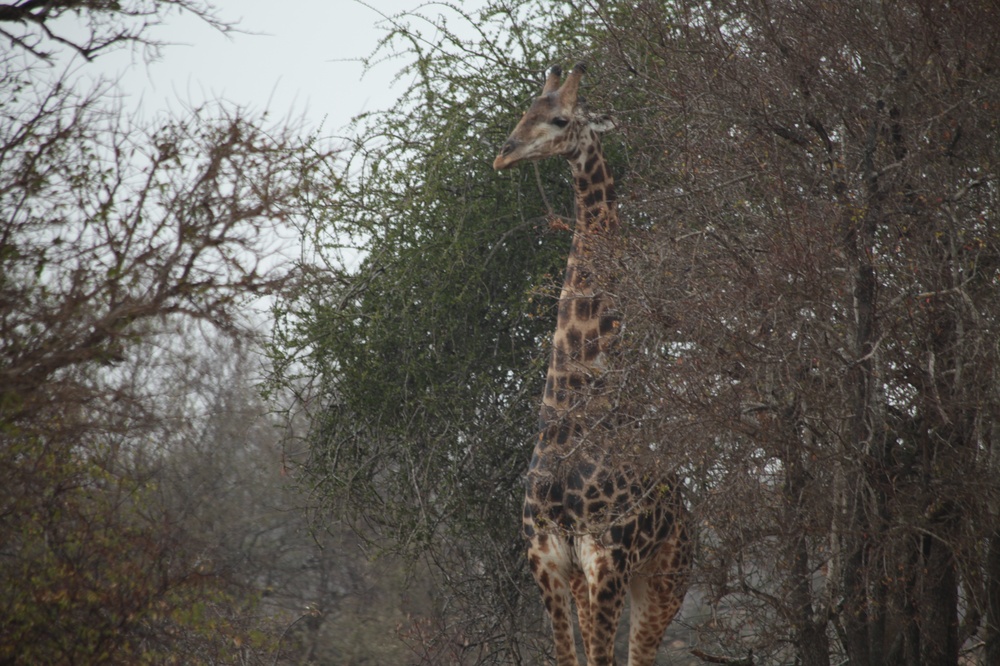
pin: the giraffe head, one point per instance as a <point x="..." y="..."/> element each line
<point x="553" y="124"/>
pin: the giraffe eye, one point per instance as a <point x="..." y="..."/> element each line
<point x="559" y="121"/>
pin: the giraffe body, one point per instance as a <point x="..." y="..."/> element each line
<point x="597" y="524"/>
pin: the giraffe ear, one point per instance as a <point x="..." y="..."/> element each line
<point x="602" y="123"/>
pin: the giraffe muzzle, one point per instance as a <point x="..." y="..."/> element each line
<point x="502" y="161"/>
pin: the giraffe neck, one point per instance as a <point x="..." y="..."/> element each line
<point x="584" y="327"/>
<point x="596" y="210"/>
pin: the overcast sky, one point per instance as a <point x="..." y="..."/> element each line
<point x="302" y="59"/>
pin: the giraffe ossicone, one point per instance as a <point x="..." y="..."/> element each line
<point x="598" y="523"/>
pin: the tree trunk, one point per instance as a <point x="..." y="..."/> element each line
<point x="811" y="637"/>
<point x="939" y="607"/>
<point x="859" y="615"/>
<point x="992" y="630"/>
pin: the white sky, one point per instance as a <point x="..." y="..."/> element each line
<point x="301" y="60"/>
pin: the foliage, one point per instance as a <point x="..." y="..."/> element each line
<point x="92" y="581"/>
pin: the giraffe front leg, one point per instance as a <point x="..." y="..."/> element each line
<point x="558" y="606"/>
<point x="550" y="565"/>
<point x="607" y="599"/>
<point x="581" y="594"/>
<point x="606" y="589"/>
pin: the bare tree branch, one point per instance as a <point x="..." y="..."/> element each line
<point x="34" y="25"/>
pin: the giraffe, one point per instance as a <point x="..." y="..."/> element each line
<point x="596" y="524"/>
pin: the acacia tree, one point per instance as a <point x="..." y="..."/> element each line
<point x="420" y="327"/>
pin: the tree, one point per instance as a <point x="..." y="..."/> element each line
<point x="810" y="314"/>
<point x="113" y="237"/>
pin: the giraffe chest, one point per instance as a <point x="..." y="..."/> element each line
<point x="572" y="496"/>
